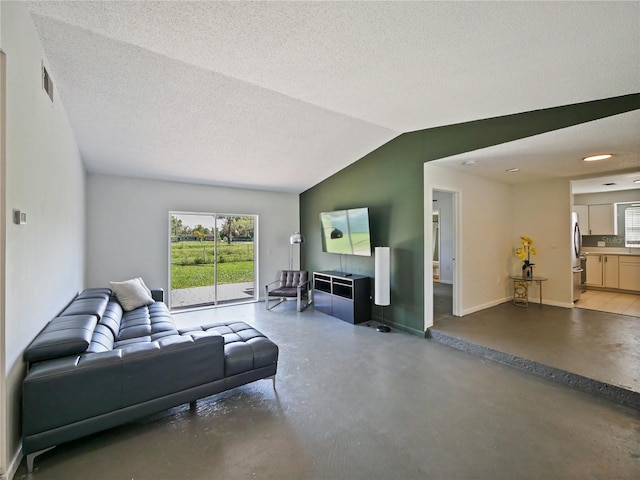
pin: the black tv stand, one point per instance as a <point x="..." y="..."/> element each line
<point x="342" y="295"/>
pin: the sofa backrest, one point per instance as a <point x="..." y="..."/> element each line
<point x="63" y="336"/>
<point x="92" y="301"/>
<point x="95" y="322"/>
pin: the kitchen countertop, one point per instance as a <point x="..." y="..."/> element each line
<point x="610" y="251"/>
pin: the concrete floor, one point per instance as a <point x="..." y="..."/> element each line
<point x="352" y="403"/>
<point x="594" y="350"/>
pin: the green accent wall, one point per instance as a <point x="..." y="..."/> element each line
<point x="389" y="181"/>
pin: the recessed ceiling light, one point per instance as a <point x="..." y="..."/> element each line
<point x="469" y="162"/>
<point x="637" y="180"/>
<point x="512" y="170"/>
<point x="595" y="158"/>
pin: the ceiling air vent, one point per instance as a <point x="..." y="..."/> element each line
<point x="47" y="83"/>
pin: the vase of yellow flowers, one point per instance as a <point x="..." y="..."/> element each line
<point x="524" y="253"/>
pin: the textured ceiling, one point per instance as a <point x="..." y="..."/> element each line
<point x="560" y="153"/>
<point x="281" y="95"/>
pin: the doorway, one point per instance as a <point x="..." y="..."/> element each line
<point x="443" y="243"/>
<point x="212" y="259"/>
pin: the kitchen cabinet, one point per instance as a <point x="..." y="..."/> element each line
<point x="629" y="274"/>
<point x="602" y="219"/>
<point x="594" y="271"/>
<point x="610" y="267"/>
<point x="603" y="271"/>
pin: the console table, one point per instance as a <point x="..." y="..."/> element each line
<point x="521" y="289"/>
<point x="341" y="295"/>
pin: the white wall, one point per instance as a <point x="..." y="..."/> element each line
<point x="485" y="236"/>
<point x="44" y="178"/>
<point x="543" y="212"/>
<point x="127" y="226"/>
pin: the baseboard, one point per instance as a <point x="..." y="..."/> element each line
<point x="551" y="303"/>
<point x="13" y="466"/>
<point x="484" y="306"/>
<point x="558" y="304"/>
<point x="404" y="328"/>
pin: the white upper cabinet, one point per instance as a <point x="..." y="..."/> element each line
<point x="602" y="219"/>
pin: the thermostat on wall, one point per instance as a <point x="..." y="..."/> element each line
<point x="19" y="218"/>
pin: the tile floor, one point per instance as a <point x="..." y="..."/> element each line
<point x="611" y="302"/>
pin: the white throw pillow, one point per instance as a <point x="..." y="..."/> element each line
<point x="132" y="293"/>
<point x="144" y="286"/>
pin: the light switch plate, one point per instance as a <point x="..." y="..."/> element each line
<point x="19" y="218"/>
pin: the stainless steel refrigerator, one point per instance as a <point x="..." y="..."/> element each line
<point x="577" y="264"/>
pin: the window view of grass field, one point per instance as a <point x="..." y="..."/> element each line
<point x="212" y="259"/>
<point x="192" y="263"/>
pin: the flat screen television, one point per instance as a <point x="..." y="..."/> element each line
<point x="346" y="232"/>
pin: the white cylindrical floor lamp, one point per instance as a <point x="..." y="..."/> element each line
<point x="383" y="281"/>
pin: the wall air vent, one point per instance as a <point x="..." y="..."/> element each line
<point x="47" y="83"/>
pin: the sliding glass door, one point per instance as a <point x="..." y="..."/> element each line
<point x="212" y="259"/>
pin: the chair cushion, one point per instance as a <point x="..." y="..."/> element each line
<point x="284" y="292"/>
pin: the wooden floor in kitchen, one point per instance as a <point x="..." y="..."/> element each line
<point x="612" y="302"/>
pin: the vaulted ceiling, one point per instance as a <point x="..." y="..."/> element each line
<point x="281" y="95"/>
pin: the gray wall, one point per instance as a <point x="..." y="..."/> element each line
<point x="127" y="225"/>
<point x="44" y="259"/>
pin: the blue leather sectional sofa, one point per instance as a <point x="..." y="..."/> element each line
<point x="96" y="366"/>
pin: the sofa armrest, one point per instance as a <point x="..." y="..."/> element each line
<point x="157" y="294"/>
<point x="304" y="286"/>
<point x="65" y="390"/>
